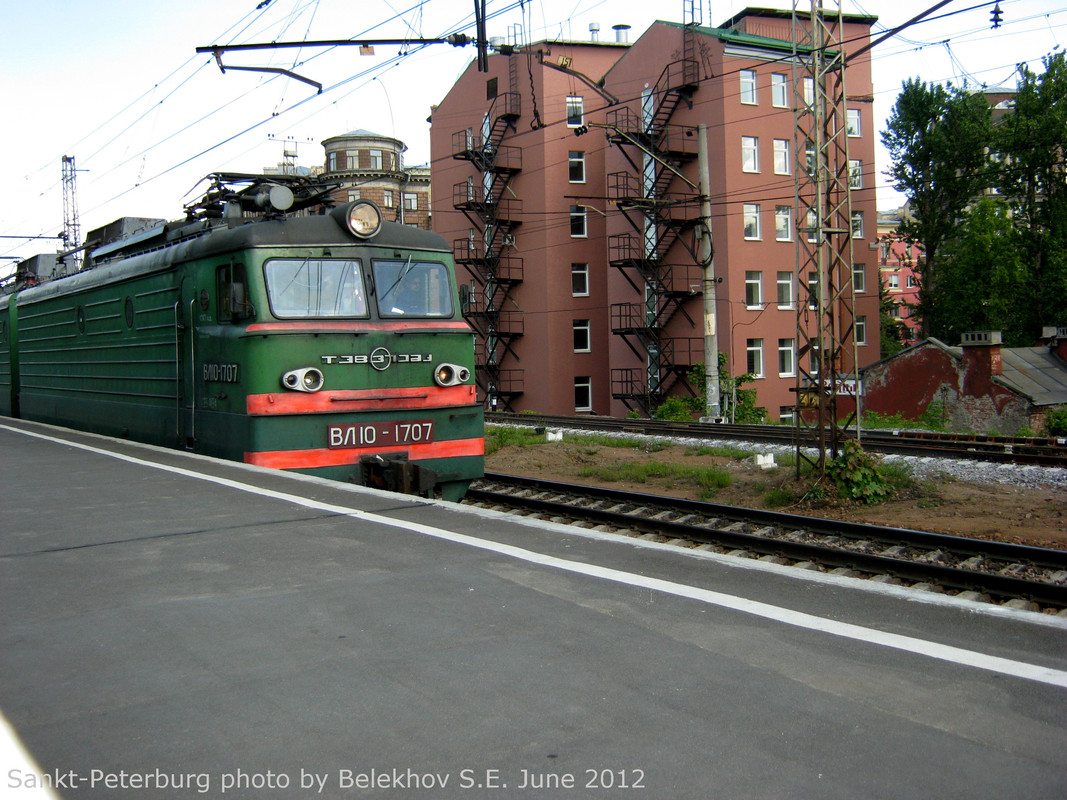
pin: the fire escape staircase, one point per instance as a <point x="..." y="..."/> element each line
<point x="494" y="212"/>
<point x="656" y="151"/>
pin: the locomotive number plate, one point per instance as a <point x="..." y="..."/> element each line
<point x="378" y="434"/>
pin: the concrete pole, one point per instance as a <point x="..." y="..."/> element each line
<point x="713" y="410"/>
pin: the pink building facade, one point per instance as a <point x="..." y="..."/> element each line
<point x="575" y="209"/>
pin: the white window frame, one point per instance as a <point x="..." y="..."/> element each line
<point x="859" y="278"/>
<point x="855" y="173"/>
<point x="749" y="87"/>
<point x="582" y="328"/>
<point x="411" y="201"/>
<point x="575" y="111"/>
<point x="787" y="356"/>
<point x="860" y="330"/>
<point x="753" y="289"/>
<point x="779" y="90"/>
<point x="388" y="201"/>
<point x="750" y="154"/>
<point x="857" y="225"/>
<point x="375" y="159"/>
<point x="786" y="298"/>
<point x="584" y="384"/>
<point x="754" y="357"/>
<point x="751" y="212"/>
<point x="576" y="166"/>
<point x="783" y="214"/>
<point x="579" y="271"/>
<point x="808" y="86"/>
<point x="578" y="219"/>
<point x="782" y="163"/>
<point x="853" y="122"/>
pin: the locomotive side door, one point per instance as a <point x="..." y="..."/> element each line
<point x="185" y="319"/>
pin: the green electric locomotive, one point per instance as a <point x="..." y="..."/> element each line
<point x="327" y="343"/>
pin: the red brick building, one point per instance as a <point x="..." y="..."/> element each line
<point x="566" y="177"/>
<point x="979" y="386"/>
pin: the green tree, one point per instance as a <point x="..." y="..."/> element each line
<point x="937" y="138"/>
<point x="982" y="285"/>
<point x="1030" y="141"/>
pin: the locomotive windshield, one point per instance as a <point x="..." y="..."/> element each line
<point x="412" y="289"/>
<point x="315" y="288"/>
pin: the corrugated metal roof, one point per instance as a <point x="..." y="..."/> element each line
<point x="1033" y="372"/>
<point x="1036" y="373"/>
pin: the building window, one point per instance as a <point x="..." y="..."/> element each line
<point x="855" y="174"/>
<point x="411" y="201"/>
<point x="751" y="216"/>
<point x="578" y="227"/>
<point x="912" y="283"/>
<point x="331" y="162"/>
<point x="779" y="90"/>
<point x="813" y="290"/>
<point x="749" y="154"/>
<point x="786" y="358"/>
<point x="579" y="280"/>
<point x="754" y="289"/>
<point x="852" y="122"/>
<point x="576" y="169"/>
<point x="388" y="200"/>
<point x="894" y="282"/>
<point x="581" y="336"/>
<point x="861" y="330"/>
<point x="783" y="223"/>
<point x="583" y="394"/>
<point x="857" y="224"/>
<point x="810" y="225"/>
<point x="809" y="157"/>
<point x="754" y="350"/>
<point x="748" y="87"/>
<point x="809" y="92"/>
<point x="859" y="279"/>
<point x="353" y="195"/>
<point x="785" y="290"/>
<point x="575" y="112"/>
<point x="490" y="88"/>
<point x="375" y="159"/>
<point x="782" y="164"/>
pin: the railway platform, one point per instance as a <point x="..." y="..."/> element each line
<point x="175" y="626"/>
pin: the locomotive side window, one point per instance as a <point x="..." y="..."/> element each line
<point x="415" y="289"/>
<point x="233" y="293"/>
<point x="315" y="288"/>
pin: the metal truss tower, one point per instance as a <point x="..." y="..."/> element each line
<point x="827" y="366"/>
<point x="71" y="225"/>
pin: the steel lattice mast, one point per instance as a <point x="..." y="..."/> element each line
<point x="826" y="349"/>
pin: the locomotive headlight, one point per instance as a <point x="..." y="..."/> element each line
<point x="451" y="375"/>
<point x="362" y="218"/>
<point x="307" y="379"/>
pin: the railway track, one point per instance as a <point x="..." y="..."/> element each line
<point x="998" y="572"/>
<point x="1047" y="452"/>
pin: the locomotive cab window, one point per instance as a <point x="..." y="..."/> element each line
<point x="233" y="302"/>
<point x="315" y="288"/>
<point x="412" y="289"/>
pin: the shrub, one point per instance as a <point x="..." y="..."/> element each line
<point x="856" y="475"/>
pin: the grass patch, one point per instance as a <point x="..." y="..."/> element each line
<point x="708" y="480"/>
<point x="736" y="453"/>
<point x="778" y="498"/>
<point x="499" y="437"/>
